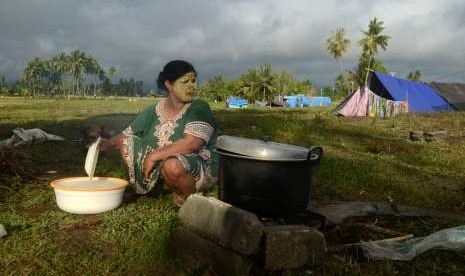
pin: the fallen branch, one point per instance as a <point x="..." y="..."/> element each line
<point x="340" y="247"/>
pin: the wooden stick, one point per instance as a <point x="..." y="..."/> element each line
<point x="380" y="229"/>
<point x="340" y="247"/>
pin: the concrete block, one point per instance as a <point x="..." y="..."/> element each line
<point x="293" y="246"/>
<point x="197" y="252"/>
<point x="230" y="226"/>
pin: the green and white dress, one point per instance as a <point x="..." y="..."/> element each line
<point x="153" y="129"/>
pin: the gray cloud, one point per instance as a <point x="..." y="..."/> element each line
<point x="228" y="37"/>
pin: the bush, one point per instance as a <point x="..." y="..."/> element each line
<point x="15" y="164"/>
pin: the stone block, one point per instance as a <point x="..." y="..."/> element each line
<point x="197" y="252"/>
<point x="293" y="246"/>
<point x="435" y="135"/>
<point x="230" y="226"/>
<point x="416" y="136"/>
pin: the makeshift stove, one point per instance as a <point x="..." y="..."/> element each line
<point x="264" y="191"/>
<point x="232" y="241"/>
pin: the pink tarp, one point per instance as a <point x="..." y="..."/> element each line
<point x="356" y="105"/>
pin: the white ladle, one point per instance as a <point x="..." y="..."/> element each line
<point x="91" y="158"/>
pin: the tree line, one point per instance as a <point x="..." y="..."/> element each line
<point x="75" y="75"/>
<point x="262" y="84"/>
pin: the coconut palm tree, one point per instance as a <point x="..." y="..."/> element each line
<point x="414" y="76"/>
<point x="308" y="87"/>
<point x="77" y="69"/>
<point x="60" y="63"/>
<point x="217" y="86"/>
<point x="32" y="74"/>
<point x="266" y="82"/>
<point x="91" y="67"/>
<point x="372" y="40"/>
<point x="95" y="69"/>
<point x="283" y="80"/>
<point x="112" y="71"/>
<point x="249" y="84"/>
<point x="27" y="76"/>
<point x="3" y="85"/>
<point x="337" y="45"/>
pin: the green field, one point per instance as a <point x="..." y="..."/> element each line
<point x="365" y="159"/>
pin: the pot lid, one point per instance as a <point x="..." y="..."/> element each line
<point x="86" y="184"/>
<point x="261" y="149"/>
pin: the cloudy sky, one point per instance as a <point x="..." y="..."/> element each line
<point x="227" y="37"/>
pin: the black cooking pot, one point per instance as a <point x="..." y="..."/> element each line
<point x="266" y="178"/>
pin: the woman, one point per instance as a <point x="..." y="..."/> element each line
<point x="174" y="137"/>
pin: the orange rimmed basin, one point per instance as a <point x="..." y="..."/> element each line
<point x="80" y="195"/>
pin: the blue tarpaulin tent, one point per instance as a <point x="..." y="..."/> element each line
<point x="302" y="100"/>
<point x="294" y="100"/>
<point x="232" y="102"/>
<point x="317" y="101"/>
<point x="420" y="97"/>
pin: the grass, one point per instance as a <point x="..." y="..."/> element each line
<point x="364" y="159"/>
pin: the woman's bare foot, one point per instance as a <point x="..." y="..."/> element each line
<point x="178" y="200"/>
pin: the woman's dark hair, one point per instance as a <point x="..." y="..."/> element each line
<point x="172" y="71"/>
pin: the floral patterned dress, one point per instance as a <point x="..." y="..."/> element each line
<point x="153" y="129"/>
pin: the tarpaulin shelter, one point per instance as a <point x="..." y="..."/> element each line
<point x="420" y="97"/>
<point x="454" y="93"/>
<point x="354" y="105"/>
<point x="302" y="100"/>
<point x="294" y="100"/>
<point x="388" y="95"/>
<point x="317" y="101"/>
<point x="233" y="102"/>
<point x="363" y="102"/>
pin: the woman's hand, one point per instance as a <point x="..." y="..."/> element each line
<point x="104" y="144"/>
<point x="114" y="143"/>
<point x="149" y="164"/>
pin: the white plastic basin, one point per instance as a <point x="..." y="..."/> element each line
<point x="80" y="195"/>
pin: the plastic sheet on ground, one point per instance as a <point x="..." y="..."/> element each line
<point x="28" y="136"/>
<point x="448" y="239"/>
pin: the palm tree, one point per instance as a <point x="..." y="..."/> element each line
<point x="249" y="84"/>
<point x="32" y="74"/>
<point x="51" y="77"/>
<point x="112" y="71"/>
<point x="266" y="82"/>
<point x="217" y="86"/>
<point x="27" y="76"/>
<point x="3" y="86"/>
<point x="373" y="38"/>
<point x="95" y="69"/>
<point x="60" y="64"/>
<point x="337" y="45"/>
<point x="91" y="67"/>
<point x="414" y="76"/>
<point x="283" y="80"/>
<point x="77" y="68"/>
<point x="308" y="87"/>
